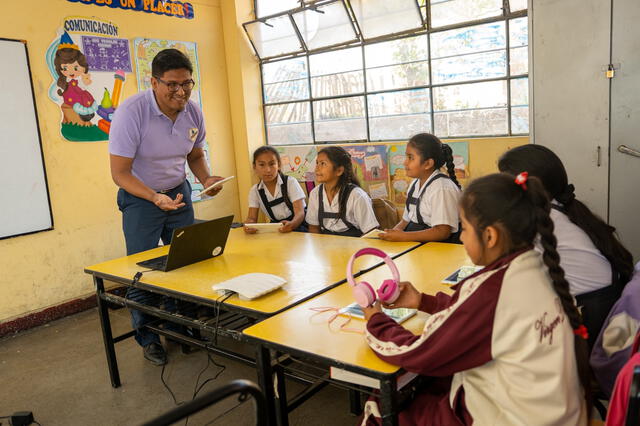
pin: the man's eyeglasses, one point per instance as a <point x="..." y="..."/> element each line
<point x="174" y="87"/>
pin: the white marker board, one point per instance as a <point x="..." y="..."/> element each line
<point x="24" y="197"/>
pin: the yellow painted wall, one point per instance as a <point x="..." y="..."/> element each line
<point x="45" y="269"/>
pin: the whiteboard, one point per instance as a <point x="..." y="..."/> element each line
<point x="24" y="198"/>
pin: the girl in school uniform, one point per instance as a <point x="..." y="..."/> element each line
<point x="338" y="205"/>
<point x="279" y="196"/>
<point x="431" y="209"/>
<point x="596" y="264"/>
<point x="508" y="346"/>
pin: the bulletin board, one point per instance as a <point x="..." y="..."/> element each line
<point x="26" y="207"/>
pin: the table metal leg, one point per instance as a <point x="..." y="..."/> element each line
<point x="265" y="380"/>
<point x="389" y="402"/>
<point x="282" y="409"/>
<point x="107" y="335"/>
<point x="355" y="402"/>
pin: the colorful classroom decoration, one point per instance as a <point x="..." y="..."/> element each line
<point x="399" y="181"/>
<point x="460" y="159"/>
<point x="88" y="64"/>
<point x="145" y="49"/>
<point x="298" y="162"/>
<point x="370" y="166"/>
<point x="173" y="8"/>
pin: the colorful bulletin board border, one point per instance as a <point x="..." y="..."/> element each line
<point x="173" y="8"/>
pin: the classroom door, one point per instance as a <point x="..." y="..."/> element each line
<point x="569" y="42"/>
<point x="624" y="194"/>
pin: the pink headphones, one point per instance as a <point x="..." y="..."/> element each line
<point x="364" y="294"/>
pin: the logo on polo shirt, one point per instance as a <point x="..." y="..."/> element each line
<point x="193" y="134"/>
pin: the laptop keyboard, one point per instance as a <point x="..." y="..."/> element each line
<point x="157" y="263"/>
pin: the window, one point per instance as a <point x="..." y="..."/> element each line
<point x="382" y="70"/>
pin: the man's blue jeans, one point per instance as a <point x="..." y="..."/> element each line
<point x="144" y="224"/>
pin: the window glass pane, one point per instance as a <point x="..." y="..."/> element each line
<point x="285" y="80"/>
<point x="399" y="115"/>
<point x="327" y="25"/>
<point x="340" y="119"/>
<point x="479" y="122"/>
<point x="520" y="120"/>
<point x="289" y="124"/>
<point x="515" y="5"/>
<point x="518" y="32"/>
<point x="276" y="38"/>
<point x="382" y="17"/>
<point x="271" y="7"/>
<point x="471" y="109"/>
<point x="454" y="11"/>
<point x="382" y="73"/>
<point x="520" y="92"/>
<point x="467" y="96"/>
<point x="518" y="40"/>
<point x="519" y="60"/>
<point x="479" y="38"/>
<point x="336" y="73"/>
<point x="469" y="67"/>
<point x="520" y="106"/>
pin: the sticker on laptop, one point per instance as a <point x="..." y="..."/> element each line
<point x="216" y="251"/>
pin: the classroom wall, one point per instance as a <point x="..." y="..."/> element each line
<point x="46" y="269"/>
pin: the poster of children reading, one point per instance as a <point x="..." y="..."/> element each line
<point x="88" y="64"/>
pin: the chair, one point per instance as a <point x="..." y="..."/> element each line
<point x="386" y="213"/>
<point x="633" y="409"/>
<point x="243" y="387"/>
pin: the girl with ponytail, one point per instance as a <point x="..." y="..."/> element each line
<point x="431" y="212"/>
<point x="338" y="205"/>
<point x="509" y="342"/>
<point x="596" y="264"/>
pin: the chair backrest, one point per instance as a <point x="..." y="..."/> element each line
<point x="243" y="387"/>
<point x="386" y="213"/>
<point x="633" y="409"/>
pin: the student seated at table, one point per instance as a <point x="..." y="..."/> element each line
<point x="508" y="346"/>
<point x="596" y="264"/>
<point x="279" y="196"/>
<point x="431" y="209"/>
<point x="338" y="205"/>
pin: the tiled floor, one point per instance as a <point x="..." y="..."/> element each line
<point x="59" y="372"/>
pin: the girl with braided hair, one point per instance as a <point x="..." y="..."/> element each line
<point x="596" y="264"/>
<point x="338" y="205"/>
<point x="508" y="346"/>
<point x="431" y="209"/>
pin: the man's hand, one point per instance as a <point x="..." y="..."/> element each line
<point x="164" y="202"/>
<point x="286" y="226"/>
<point x="210" y="181"/>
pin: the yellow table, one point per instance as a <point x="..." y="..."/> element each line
<point x="300" y="333"/>
<point x="311" y="263"/>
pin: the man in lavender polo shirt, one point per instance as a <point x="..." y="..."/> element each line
<point x="152" y="135"/>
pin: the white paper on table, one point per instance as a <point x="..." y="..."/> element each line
<point x="250" y="286"/>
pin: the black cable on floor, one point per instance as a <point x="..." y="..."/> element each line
<point x="226" y="412"/>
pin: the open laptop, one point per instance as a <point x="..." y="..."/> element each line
<point x="192" y="244"/>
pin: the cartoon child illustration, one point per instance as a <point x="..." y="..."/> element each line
<point x="78" y="105"/>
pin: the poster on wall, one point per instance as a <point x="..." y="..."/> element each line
<point x="88" y="63"/>
<point x="460" y="159"/>
<point x="145" y="49"/>
<point x="298" y="162"/>
<point x="399" y="181"/>
<point x="371" y="168"/>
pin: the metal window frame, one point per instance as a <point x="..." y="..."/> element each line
<point x="506" y="16"/>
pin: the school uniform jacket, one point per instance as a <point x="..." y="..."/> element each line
<point x="504" y="339"/>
